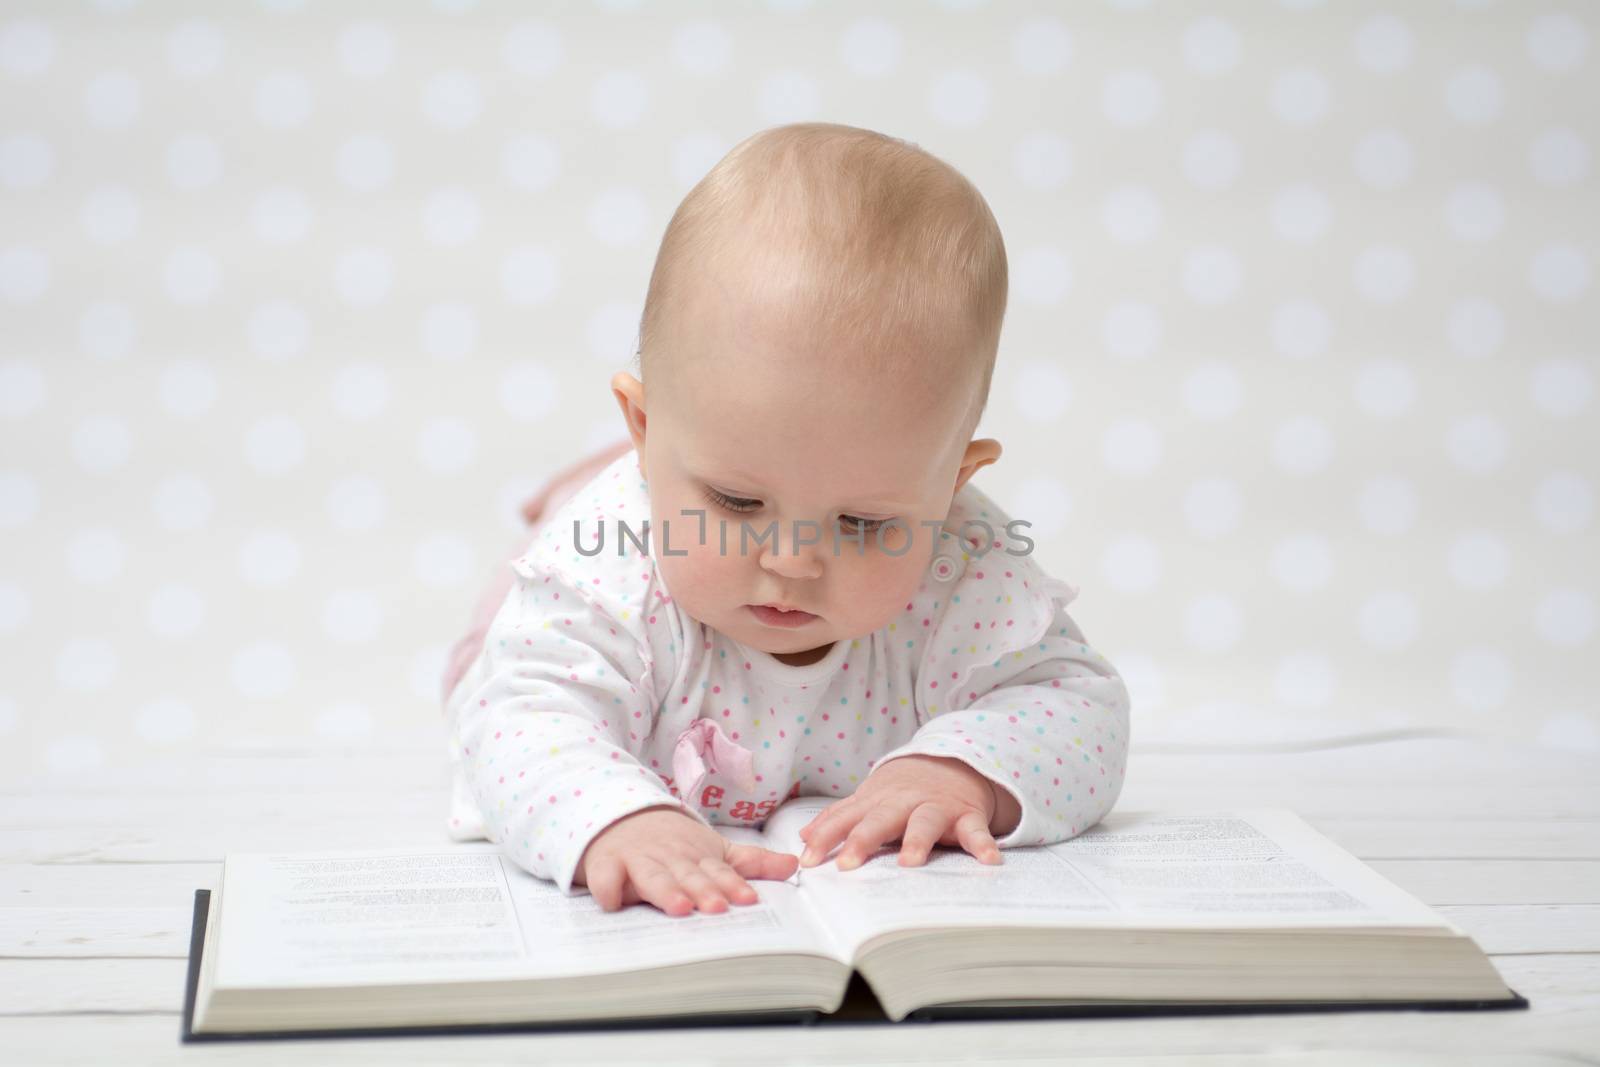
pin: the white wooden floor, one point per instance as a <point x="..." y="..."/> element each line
<point x="100" y="872"/>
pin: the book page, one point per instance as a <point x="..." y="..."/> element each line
<point x="1231" y="869"/>
<point x="459" y="913"/>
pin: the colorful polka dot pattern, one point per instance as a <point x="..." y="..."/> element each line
<point x="569" y="717"/>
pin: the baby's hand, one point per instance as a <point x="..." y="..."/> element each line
<point x="924" y="800"/>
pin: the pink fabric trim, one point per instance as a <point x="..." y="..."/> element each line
<point x="705" y="738"/>
<point x="555" y="492"/>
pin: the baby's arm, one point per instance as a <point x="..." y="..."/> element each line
<point x="1047" y="725"/>
<point x="544" y="736"/>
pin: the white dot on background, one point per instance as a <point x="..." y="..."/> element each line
<point x="1474" y="212"/>
<point x="529" y="275"/>
<point x="275" y="444"/>
<point x="1559" y="272"/>
<point x="1131" y="214"/>
<point x="1211" y="160"/>
<point x="612" y="331"/>
<point x="191" y="275"/>
<point x="1383" y="44"/>
<point x="15" y="607"/>
<point x="618" y="217"/>
<point x="1478" y="559"/>
<point x="1559" y="157"/>
<point x="1301" y="213"/>
<point x="1212" y="274"/>
<point x="283" y="99"/>
<point x="619" y="98"/>
<point x="449" y="330"/>
<point x="165" y="721"/>
<point x="1388" y="620"/>
<point x="1300" y="96"/>
<point x="1564" y="502"/>
<point x="110" y="215"/>
<point x="1475" y="328"/>
<point x="268" y="558"/>
<point x="182" y="502"/>
<point x="788" y="96"/>
<point x="452" y="99"/>
<point x="1132" y="329"/>
<point x="1132" y="447"/>
<point x="446" y="445"/>
<point x="1049" y="505"/>
<point x="278" y="330"/>
<point x="534" y="49"/>
<point x="1302" y="445"/>
<point x="1565" y="617"/>
<point x="24" y="274"/>
<point x="74" y="754"/>
<point x="1383" y="159"/>
<point x="1557" y="42"/>
<point x="193" y="162"/>
<point x="27" y="48"/>
<point x="1042" y="46"/>
<point x="263" y="670"/>
<point x="176" y="611"/>
<point x="96" y="557"/>
<point x="352" y="616"/>
<point x="188" y="388"/>
<point x="364" y="276"/>
<point x="101" y="443"/>
<point x="450" y="216"/>
<point x="871" y="47"/>
<point x="1480" y="678"/>
<point x="529" y="390"/>
<point x="86" y="664"/>
<point x="1042" y="390"/>
<point x="345" y="722"/>
<point x="1042" y="161"/>
<point x="360" y="391"/>
<point x="1041" y="275"/>
<point x="1211" y="46"/>
<point x="1131" y="98"/>
<point x="1132" y="563"/>
<point x="19" y="499"/>
<point x="1562" y="387"/>
<point x="366" y="49"/>
<point x="1302" y="562"/>
<point x="1571" y="731"/>
<point x="195" y="50"/>
<point x="281" y="216"/>
<point x="1384" y="273"/>
<point x="1213" y="391"/>
<point x="1213" y="623"/>
<point x="701" y="48"/>
<point x="365" y="163"/>
<point x="1388" y="505"/>
<point x="1211" y="506"/>
<point x="1385" y="388"/>
<point x="22" y="389"/>
<point x="1305" y="680"/>
<point x="1473" y="95"/>
<point x="356" y="505"/>
<point x="959" y="98"/>
<point x="112" y="99"/>
<point x="531" y="162"/>
<point x="444" y="561"/>
<point x="27" y="160"/>
<point x="1476" y="444"/>
<point x="1301" y="329"/>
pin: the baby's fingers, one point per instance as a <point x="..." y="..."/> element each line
<point x="973" y="833"/>
<point x="657" y="885"/>
<point x="923" y="830"/>
<point x="752" y="861"/>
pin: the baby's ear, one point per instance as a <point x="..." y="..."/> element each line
<point x="980" y="453"/>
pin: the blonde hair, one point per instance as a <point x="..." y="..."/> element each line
<point x="850" y="235"/>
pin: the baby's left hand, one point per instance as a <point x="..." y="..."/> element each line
<point x="923" y="800"/>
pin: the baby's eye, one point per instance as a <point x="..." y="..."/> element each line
<point x="732" y="503"/>
<point x="861" y="525"/>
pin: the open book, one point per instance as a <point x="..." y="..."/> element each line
<point x="1146" y="912"/>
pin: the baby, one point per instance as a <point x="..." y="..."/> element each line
<point x="820" y="603"/>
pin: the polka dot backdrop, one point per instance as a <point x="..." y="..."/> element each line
<point x="300" y="301"/>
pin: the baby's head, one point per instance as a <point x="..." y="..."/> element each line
<point x="816" y="349"/>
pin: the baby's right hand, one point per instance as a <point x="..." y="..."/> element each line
<point x="665" y="857"/>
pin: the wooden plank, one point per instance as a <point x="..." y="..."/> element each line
<point x="1440" y="882"/>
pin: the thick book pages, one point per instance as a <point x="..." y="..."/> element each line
<point x="1147" y="912"/>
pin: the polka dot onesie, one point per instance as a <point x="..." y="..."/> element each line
<point x="594" y="695"/>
